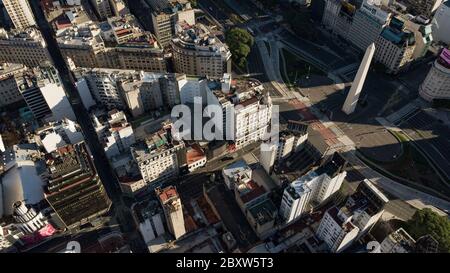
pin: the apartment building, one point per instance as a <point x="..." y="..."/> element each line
<point x="395" y="46"/>
<point x="173" y="210"/>
<point x="26" y="47"/>
<point x="20" y="13"/>
<point x="196" y="51"/>
<point x="159" y="157"/>
<point x="103" y="8"/>
<point x="437" y="83"/>
<point x="165" y="14"/>
<point x="114" y="132"/>
<point x="340" y="227"/>
<point x="119" y="43"/>
<point x="313" y="188"/>
<point x="369" y="19"/>
<point x="9" y="89"/>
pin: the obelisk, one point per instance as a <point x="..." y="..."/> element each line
<point x="353" y="95"/>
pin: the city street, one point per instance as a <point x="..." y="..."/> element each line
<point x="105" y="173"/>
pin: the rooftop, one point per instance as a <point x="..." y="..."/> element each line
<point x="194" y="153"/>
<point x="167" y="194"/>
<point x="263" y="212"/>
<point x="168" y="6"/>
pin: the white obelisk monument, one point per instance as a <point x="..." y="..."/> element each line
<point x="353" y="95"/>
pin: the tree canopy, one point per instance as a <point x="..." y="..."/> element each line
<point x="240" y="42"/>
<point x="425" y="222"/>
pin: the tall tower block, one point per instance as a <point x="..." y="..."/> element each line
<point x="353" y="95"/>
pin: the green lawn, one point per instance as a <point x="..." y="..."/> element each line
<point x="297" y="68"/>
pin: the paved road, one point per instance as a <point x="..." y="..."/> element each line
<point x="106" y="174"/>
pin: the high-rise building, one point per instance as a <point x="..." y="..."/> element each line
<point x="166" y="13"/>
<point x="74" y="190"/>
<point x="423" y="7"/>
<point x="173" y="210"/>
<point x="33" y="97"/>
<point x="337" y="230"/>
<point x="136" y="90"/>
<point x="26" y="47"/>
<point x="54" y="135"/>
<point x="353" y="95"/>
<point x="441" y="23"/>
<point x="114" y="132"/>
<point x="159" y="157"/>
<point x="43" y="91"/>
<point x="196" y="51"/>
<point x="9" y="90"/>
<point x="340" y="227"/>
<point x="103" y="8"/>
<point x="246" y="109"/>
<point x="119" y="43"/>
<point x="437" y="83"/>
<point x="368" y="22"/>
<point x="20" y="13"/>
<point x="313" y="188"/>
<point x="395" y="46"/>
<point x="104" y="85"/>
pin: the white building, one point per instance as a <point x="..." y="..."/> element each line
<point x="437" y="83"/>
<point x="195" y="157"/>
<point x="151" y="225"/>
<point x="368" y="22"/>
<point x="27" y="220"/>
<point x="196" y="51"/>
<point x="246" y="107"/>
<point x="173" y="210"/>
<point x="20" y="13"/>
<point x="398" y="241"/>
<point x="313" y="188"/>
<point x="267" y="156"/>
<point x="441" y="23"/>
<point x="236" y="172"/>
<point x="57" y="101"/>
<point x="59" y="134"/>
<point x="395" y="46"/>
<point x="114" y="132"/>
<point x="21" y="180"/>
<point x="340" y="227"/>
<point x="26" y="47"/>
<point x="337" y="230"/>
<point x="85" y="94"/>
<point x="159" y="157"/>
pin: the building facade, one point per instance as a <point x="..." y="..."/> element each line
<point x="197" y="52"/>
<point x="437" y="83"/>
<point x="166" y="14"/>
<point x="20" y="13"/>
<point x="173" y="210"/>
<point x="395" y="47"/>
<point x="26" y="47"/>
<point x="441" y="23"/>
<point x="9" y="89"/>
<point x="369" y="20"/>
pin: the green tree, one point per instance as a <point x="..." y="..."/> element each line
<point x="425" y="222"/>
<point x="240" y="42"/>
